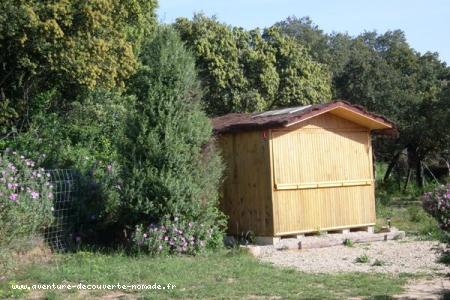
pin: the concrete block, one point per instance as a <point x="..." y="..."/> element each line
<point x="266" y="240"/>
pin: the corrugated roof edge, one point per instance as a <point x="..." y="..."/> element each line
<point x="237" y="122"/>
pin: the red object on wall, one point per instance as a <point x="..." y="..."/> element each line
<point x="264" y="134"/>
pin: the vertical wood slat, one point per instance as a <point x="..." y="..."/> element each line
<point x="325" y="150"/>
<point x="246" y="197"/>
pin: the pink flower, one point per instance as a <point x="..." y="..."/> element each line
<point x="13" y="197"/>
<point x="34" y="195"/>
<point x="145" y="235"/>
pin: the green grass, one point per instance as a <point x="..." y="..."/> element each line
<point x="404" y="207"/>
<point x="226" y="274"/>
<point x="363" y="259"/>
<point x="412" y="219"/>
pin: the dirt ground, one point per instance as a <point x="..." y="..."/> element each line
<point x="403" y="256"/>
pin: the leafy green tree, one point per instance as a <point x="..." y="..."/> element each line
<point x="387" y="76"/>
<point x="68" y="46"/>
<point x="245" y="71"/>
<point x="308" y="34"/>
<point x="302" y="81"/>
<point x="334" y="50"/>
<point x="169" y="165"/>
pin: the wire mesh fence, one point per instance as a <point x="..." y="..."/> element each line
<point x="65" y="191"/>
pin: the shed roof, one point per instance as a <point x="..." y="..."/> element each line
<point x="236" y="122"/>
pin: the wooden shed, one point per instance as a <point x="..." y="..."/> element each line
<point x="299" y="170"/>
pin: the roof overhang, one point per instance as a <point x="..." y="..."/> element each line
<point x="286" y="117"/>
<point x="350" y="114"/>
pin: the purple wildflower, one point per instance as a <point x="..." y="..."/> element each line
<point x="13" y="197"/>
<point x="34" y="195"/>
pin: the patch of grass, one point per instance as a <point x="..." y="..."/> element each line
<point x="445" y="258"/>
<point x="348" y="243"/>
<point x="226" y="274"/>
<point x="413" y="220"/>
<point x="378" y="263"/>
<point x="22" y="251"/>
<point x="362" y="259"/>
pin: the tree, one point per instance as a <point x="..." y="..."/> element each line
<point x="169" y="165"/>
<point x="387" y="76"/>
<point x="246" y="71"/>
<point x="304" y="31"/>
<point x="66" y="46"/>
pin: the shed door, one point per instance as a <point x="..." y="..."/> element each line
<point x="318" y="158"/>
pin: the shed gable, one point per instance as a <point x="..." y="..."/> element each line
<point x="324" y="151"/>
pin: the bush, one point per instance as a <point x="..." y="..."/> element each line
<point x="73" y="141"/>
<point x="25" y="198"/>
<point x="362" y="259"/>
<point x="437" y="204"/>
<point x="177" y="235"/>
<point x="169" y="163"/>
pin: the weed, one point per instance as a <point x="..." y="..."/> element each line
<point x="348" y="243"/>
<point x="378" y="263"/>
<point x="362" y="259"/>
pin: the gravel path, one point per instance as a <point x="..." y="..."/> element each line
<point x="405" y="256"/>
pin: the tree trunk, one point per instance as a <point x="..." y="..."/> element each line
<point x="419" y="172"/>
<point x="408" y="177"/>
<point x="391" y="166"/>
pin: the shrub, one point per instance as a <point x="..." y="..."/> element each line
<point x="437" y="204"/>
<point x="169" y="163"/>
<point x="362" y="259"/>
<point x="25" y="198"/>
<point x="348" y="243"/>
<point x="378" y="263"/>
<point x="177" y="235"/>
<point x="73" y="141"/>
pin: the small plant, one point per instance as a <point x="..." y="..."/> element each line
<point x="445" y="258"/>
<point x="378" y="263"/>
<point x="348" y="243"/>
<point x="362" y="259"/>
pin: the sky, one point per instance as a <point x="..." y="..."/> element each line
<point x="426" y="23"/>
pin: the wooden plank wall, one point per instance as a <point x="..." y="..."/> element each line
<point x="322" y="173"/>
<point x="246" y="193"/>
